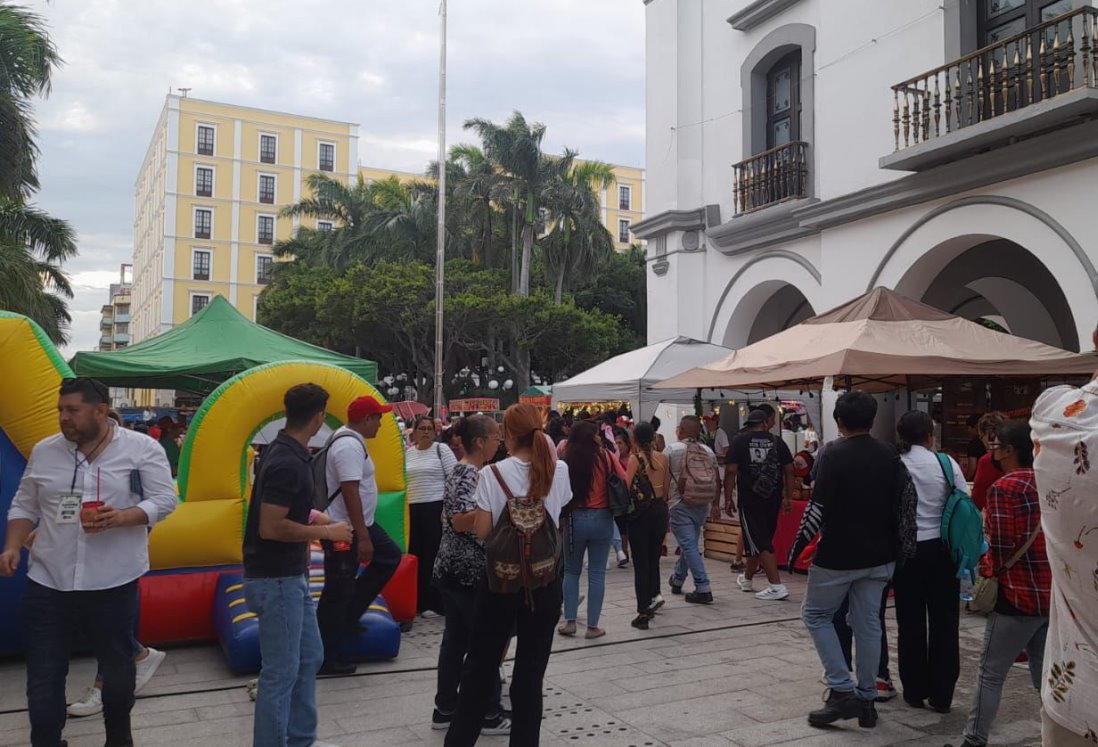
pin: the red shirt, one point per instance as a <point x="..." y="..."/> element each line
<point x="986" y="474"/>
<point x="1013" y="512"/>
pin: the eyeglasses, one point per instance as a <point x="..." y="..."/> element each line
<point x="426" y="428"/>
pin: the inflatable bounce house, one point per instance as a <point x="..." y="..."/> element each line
<point x="194" y="590"/>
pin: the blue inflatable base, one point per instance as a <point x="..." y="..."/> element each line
<point x="238" y="629"/>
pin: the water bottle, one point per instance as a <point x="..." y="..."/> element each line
<point x="966" y="586"/>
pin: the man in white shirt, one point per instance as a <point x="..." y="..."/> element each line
<point x="93" y="491"/>
<point x="687" y="521"/>
<point x="353" y="489"/>
<point x="1065" y="439"/>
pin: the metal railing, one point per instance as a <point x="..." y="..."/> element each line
<point x="1042" y="62"/>
<point x="773" y="176"/>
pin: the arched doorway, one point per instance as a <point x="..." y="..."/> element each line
<point x="997" y="280"/>
<point x="786" y="307"/>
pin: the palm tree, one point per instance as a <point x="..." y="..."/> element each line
<point x="32" y="246"/>
<point x="577" y="242"/>
<point x="515" y="150"/>
<point x="27" y="59"/>
<point x="477" y="185"/>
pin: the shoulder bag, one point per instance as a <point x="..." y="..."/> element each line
<point x="985" y="591"/>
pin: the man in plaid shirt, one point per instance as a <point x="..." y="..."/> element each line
<point x="1020" y="620"/>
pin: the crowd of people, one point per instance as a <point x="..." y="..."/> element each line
<point x="505" y="517"/>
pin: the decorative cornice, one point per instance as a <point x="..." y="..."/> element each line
<point x="661" y="266"/>
<point x="669" y="220"/>
<point x="757" y="12"/>
<point x="770" y="225"/>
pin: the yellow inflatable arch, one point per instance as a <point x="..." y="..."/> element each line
<point x="215" y="465"/>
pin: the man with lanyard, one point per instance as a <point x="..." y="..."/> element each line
<point x="350" y="481"/>
<point x="93" y="491"/>
<point x="759" y="470"/>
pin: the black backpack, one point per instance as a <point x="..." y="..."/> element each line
<point x="641" y="494"/>
<point x="523" y="550"/>
<point x="319" y="464"/>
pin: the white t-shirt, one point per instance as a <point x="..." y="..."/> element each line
<point x="931" y="486"/>
<point x="1065" y="438"/>
<point x="426" y="471"/>
<point x="516" y="473"/>
<point x="720" y="442"/>
<point x="348" y="462"/>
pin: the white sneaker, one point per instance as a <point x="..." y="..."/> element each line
<point x="623" y="559"/>
<point x="147" y="667"/>
<point x="657" y="602"/>
<point x="429" y="615"/>
<point x="91" y="704"/>
<point x="746" y="584"/>
<point x="773" y="593"/>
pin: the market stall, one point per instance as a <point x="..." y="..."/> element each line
<point x="885" y="342"/>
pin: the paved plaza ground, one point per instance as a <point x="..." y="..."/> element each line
<point x="738" y="672"/>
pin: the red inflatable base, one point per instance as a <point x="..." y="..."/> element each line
<point x="400" y="592"/>
<point x="177" y="607"/>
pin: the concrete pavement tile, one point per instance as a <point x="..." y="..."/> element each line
<point x="696" y="717"/>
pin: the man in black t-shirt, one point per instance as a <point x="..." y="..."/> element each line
<point x="759" y="470"/>
<point x="858" y="507"/>
<point x="276" y="584"/>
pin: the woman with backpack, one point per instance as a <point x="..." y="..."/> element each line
<point x="648" y="476"/>
<point x="427" y="465"/>
<point x="520" y="590"/>
<point x="927" y="588"/>
<point x="459" y="568"/>
<point x="589" y="526"/>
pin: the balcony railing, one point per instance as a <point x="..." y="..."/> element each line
<point x="1037" y="65"/>
<point x="773" y="176"/>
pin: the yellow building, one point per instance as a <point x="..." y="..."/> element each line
<point x="374" y="173"/>
<point x="207" y="203"/>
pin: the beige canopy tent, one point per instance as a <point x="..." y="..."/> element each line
<point x="880" y="342"/>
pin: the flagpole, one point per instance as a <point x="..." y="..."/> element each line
<point x="440" y="258"/>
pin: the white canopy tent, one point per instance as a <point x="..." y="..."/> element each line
<point x="629" y="376"/>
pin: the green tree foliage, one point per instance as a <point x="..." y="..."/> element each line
<point x="386" y="310"/>
<point x="32" y="244"/>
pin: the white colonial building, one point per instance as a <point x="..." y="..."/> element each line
<point x="801" y="152"/>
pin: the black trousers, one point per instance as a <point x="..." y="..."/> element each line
<point x="497" y="616"/>
<point x="646" y="533"/>
<point x="928" y="614"/>
<point x="107" y="618"/>
<point x="846" y="635"/>
<point x="424" y="537"/>
<point x="461" y="608"/>
<point x="347" y="594"/>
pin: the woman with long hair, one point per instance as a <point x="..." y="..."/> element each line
<point x="427" y="465"/>
<point x="532" y="614"/>
<point x="459" y="568"/>
<point x="589" y="526"/>
<point x="648" y="474"/>
<point x="927" y="589"/>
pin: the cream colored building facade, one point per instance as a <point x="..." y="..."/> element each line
<point x="207" y="203"/>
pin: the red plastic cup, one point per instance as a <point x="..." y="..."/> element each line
<point x="341" y="546"/>
<point x="88" y="510"/>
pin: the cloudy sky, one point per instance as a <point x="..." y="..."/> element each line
<point x="576" y="65"/>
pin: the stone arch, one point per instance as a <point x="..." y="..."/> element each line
<point x="760" y="284"/>
<point x="997" y="257"/>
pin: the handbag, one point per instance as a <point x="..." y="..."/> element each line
<point x="617" y="492"/>
<point x="985" y="591"/>
<point x="642" y="494"/>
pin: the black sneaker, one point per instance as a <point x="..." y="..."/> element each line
<point x="336" y="669"/>
<point x="867" y="719"/>
<point x="675" y="588"/>
<point x="640" y="622"/>
<point x="700" y="597"/>
<point x="496" y="726"/>
<point x="441" y="721"/>
<point x="837" y="706"/>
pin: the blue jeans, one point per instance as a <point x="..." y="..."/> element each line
<point x="825" y="594"/>
<point x="53" y="617"/>
<point x="290" y="647"/>
<point x="686" y="524"/>
<point x="588" y="530"/>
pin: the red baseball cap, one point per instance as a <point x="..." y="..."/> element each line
<point x="364" y="407"/>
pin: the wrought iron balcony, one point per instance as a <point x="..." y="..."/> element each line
<point x="773" y="176"/>
<point x="1019" y="86"/>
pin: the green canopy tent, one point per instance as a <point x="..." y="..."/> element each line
<point x="198" y="355"/>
